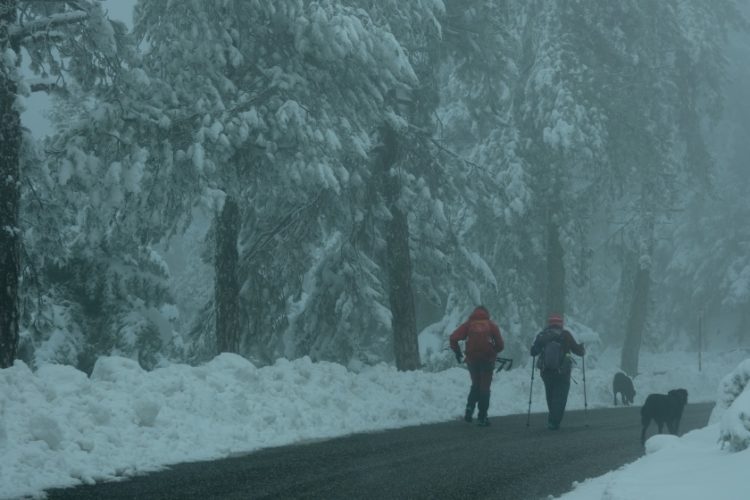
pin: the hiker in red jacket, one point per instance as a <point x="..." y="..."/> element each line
<point x="483" y="342"/>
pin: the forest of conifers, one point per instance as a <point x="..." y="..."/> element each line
<point x="335" y="178"/>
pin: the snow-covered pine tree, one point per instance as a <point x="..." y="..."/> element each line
<point x="372" y="310"/>
<point x="697" y="250"/>
<point x="650" y="91"/>
<point x="64" y="42"/>
<point x="478" y="83"/>
<point x="681" y="97"/>
<point x="277" y="102"/>
<point x="410" y="177"/>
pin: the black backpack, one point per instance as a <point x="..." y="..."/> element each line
<point x="552" y="357"/>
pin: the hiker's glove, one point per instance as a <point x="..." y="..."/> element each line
<point x="459" y="356"/>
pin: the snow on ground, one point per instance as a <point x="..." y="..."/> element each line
<point x="59" y="427"/>
<point x="694" y="466"/>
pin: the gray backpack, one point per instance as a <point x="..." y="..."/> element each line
<point x="552" y="357"/>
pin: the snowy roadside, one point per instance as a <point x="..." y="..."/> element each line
<point x="59" y="427"/>
<point x="706" y="463"/>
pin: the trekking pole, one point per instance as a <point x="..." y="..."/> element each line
<point x="531" y="388"/>
<point x="585" y="401"/>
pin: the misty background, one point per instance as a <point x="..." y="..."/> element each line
<point x="345" y="180"/>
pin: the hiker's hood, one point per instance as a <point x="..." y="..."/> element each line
<point x="479" y="314"/>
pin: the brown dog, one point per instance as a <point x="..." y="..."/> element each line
<point x="663" y="409"/>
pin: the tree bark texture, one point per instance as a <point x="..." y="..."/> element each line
<point x="398" y="261"/>
<point x="555" y="271"/>
<point x="636" y="322"/>
<point x="227" y="289"/>
<point x="10" y="234"/>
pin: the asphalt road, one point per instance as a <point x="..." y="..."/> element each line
<point x="451" y="460"/>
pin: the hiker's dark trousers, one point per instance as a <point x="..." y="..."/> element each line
<point x="481" y="379"/>
<point x="556" y="388"/>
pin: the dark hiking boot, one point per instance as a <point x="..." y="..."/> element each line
<point x="471" y="403"/>
<point x="484" y="404"/>
<point x="469" y="414"/>
<point x="483" y="422"/>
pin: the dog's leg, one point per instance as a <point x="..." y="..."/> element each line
<point x="645" y="421"/>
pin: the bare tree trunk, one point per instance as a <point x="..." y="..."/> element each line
<point x="10" y="234"/>
<point x="636" y="321"/>
<point x="398" y="262"/>
<point x="227" y="290"/>
<point x="555" y="271"/>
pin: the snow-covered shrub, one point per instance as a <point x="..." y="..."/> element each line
<point x="733" y="407"/>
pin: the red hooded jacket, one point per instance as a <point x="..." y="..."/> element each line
<point x="483" y="339"/>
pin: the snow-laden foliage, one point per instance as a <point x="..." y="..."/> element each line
<point x="703" y="253"/>
<point x="511" y="142"/>
<point x="351" y="316"/>
<point x="89" y="287"/>
<point x="296" y="89"/>
<point x="657" y="99"/>
<point x="731" y="406"/>
<point x="478" y="77"/>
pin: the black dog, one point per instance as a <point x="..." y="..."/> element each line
<point x="663" y="408"/>
<point x="624" y="385"/>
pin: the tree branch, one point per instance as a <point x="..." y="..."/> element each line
<point x="42" y="86"/>
<point x="16" y="32"/>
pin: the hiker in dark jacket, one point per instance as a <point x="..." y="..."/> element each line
<point x="483" y="342"/>
<point x="556" y="374"/>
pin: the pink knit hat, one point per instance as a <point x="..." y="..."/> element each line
<point x="555" y="319"/>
